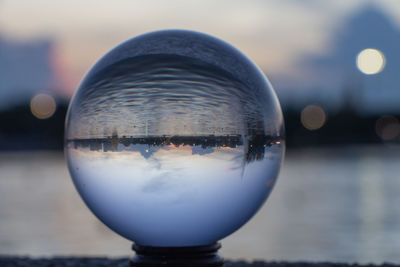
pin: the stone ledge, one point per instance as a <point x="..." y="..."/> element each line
<point x="10" y="261"/>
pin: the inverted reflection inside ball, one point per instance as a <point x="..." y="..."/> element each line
<point x="171" y="144"/>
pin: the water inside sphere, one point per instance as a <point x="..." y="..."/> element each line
<point x="174" y="138"/>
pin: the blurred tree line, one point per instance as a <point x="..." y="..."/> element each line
<point x="20" y="130"/>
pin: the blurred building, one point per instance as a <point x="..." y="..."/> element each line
<point x="25" y="69"/>
<point x="336" y="80"/>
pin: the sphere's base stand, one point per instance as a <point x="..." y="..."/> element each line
<point x="177" y="256"/>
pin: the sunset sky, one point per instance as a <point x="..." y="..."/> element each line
<point x="275" y="34"/>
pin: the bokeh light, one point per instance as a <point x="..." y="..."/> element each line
<point x="370" y="61"/>
<point x="387" y="127"/>
<point x="43" y="106"/>
<point x="313" y="117"/>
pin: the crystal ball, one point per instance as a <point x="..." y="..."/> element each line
<point x="174" y="138"/>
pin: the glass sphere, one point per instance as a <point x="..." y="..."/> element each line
<point x="174" y="138"/>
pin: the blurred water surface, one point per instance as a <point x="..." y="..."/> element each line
<point x="338" y="204"/>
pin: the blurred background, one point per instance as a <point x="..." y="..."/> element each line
<point x="335" y="66"/>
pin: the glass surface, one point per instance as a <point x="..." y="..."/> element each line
<point x="174" y="138"/>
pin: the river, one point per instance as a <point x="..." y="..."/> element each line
<point x="329" y="204"/>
